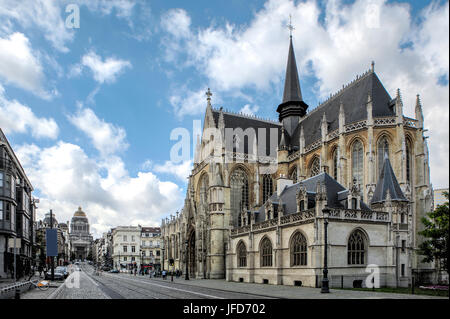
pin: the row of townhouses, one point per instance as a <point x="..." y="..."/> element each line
<point x="127" y="247"/>
<point x="17" y="214"/>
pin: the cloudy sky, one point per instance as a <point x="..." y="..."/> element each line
<point x="89" y="110"/>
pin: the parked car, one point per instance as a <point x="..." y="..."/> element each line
<point x="106" y="268"/>
<point x="63" y="270"/>
<point x="114" y="271"/>
<point x="58" y="274"/>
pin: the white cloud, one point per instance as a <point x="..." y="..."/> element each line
<point x="181" y="171"/>
<point x="177" y="22"/>
<point x="188" y="102"/>
<point x="19" y="65"/>
<point x="106" y="137"/>
<point x="41" y="14"/>
<point x="49" y="16"/>
<point x="18" y="118"/>
<point x="122" y="8"/>
<point x="249" y="110"/>
<point x="67" y="177"/>
<point x="411" y="54"/>
<point x="103" y="71"/>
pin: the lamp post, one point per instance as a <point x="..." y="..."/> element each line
<point x="162" y="258"/>
<point x="186" y="276"/>
<point x="142" y="262"/>
<point x="325" y="287"/>
<point x="51" y="258"/>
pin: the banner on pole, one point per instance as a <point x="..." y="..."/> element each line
<point x="51" y="238"/>
<point x="11" y="243"/>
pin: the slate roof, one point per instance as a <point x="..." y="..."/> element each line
<point x="292" y="90"/>
<point x="387" y="182"/>
<point x="289" y="195"/>
<point x="354" y="99"/>
<point x="233" y="120"/>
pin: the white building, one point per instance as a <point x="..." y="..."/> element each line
<point x="126" y="247"/>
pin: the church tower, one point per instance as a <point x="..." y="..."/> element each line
<point x="388" y="197"/>
<point x="292" y="108"/>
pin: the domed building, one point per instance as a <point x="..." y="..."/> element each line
<point x="80" y="237"/>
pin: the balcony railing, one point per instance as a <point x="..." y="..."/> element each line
<point x="310" y="214"/>
<point x="355" y="214"/>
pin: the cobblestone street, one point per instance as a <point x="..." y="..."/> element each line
<point x="126" y="286"/>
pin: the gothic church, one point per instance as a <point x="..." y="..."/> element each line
<point x="256" y="214"/>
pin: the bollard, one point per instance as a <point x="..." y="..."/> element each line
<point x="412" y="285"/>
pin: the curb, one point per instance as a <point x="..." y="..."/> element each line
<point x="55" y="294"/>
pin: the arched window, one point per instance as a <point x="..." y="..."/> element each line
<point x="299" y="249"/>
<point x="382" y="149"/>
<point x="239" y="194"/>
<point x="408" y="162"/>
<point x="266" y="253"/>
<point x="293" y="175"/>
<point x="358" y="163"/>
<point x="267" y="187"/>
<point x="356" y="248"/>
<point x="315" y="167"/>
<point x="335" y="163"/>
<point x="242" y="255"/>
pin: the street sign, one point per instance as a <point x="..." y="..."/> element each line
<point x="51" y="238"/>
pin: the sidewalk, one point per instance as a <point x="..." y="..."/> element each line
<point x="287" y="292"/>
<point x="8" y="288"/>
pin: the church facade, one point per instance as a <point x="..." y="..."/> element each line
<point x="253" y="210"/>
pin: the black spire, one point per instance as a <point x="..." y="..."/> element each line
<point x="387" y="183"/>
<point x="292" y="104"/>
<point x="292" y="90"/>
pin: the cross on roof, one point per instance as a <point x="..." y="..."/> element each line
<point x="290" y="26"/>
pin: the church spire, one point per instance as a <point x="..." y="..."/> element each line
<point x="292" y="107"/>
<point x="292" y="90"/>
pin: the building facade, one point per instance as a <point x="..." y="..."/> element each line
<point x="241" y="161"/>
<point x="151" y="247"/>
<point x="80" y="236"/>
<point x="17" y="213"/>
<point x="126" y="247"/>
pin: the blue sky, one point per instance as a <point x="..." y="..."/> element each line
<point x="97" y="104"/>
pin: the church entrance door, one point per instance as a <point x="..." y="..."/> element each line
<point x="192" y="259"/>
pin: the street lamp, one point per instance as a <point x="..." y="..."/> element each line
<point x="142" y="262"/>
<point x="186" y="276"/>
<point x="162" y="258"/>
<point x="325" y="288"/>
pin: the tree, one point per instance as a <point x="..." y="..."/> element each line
<point x="435" y="246"/>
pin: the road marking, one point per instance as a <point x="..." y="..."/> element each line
<point x="173" y="288"/>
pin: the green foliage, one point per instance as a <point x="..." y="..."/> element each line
<point x="435" y="246"/>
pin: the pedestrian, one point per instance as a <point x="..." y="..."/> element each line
<point x="164" y="274"/>
<point x="40" y="269"/>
